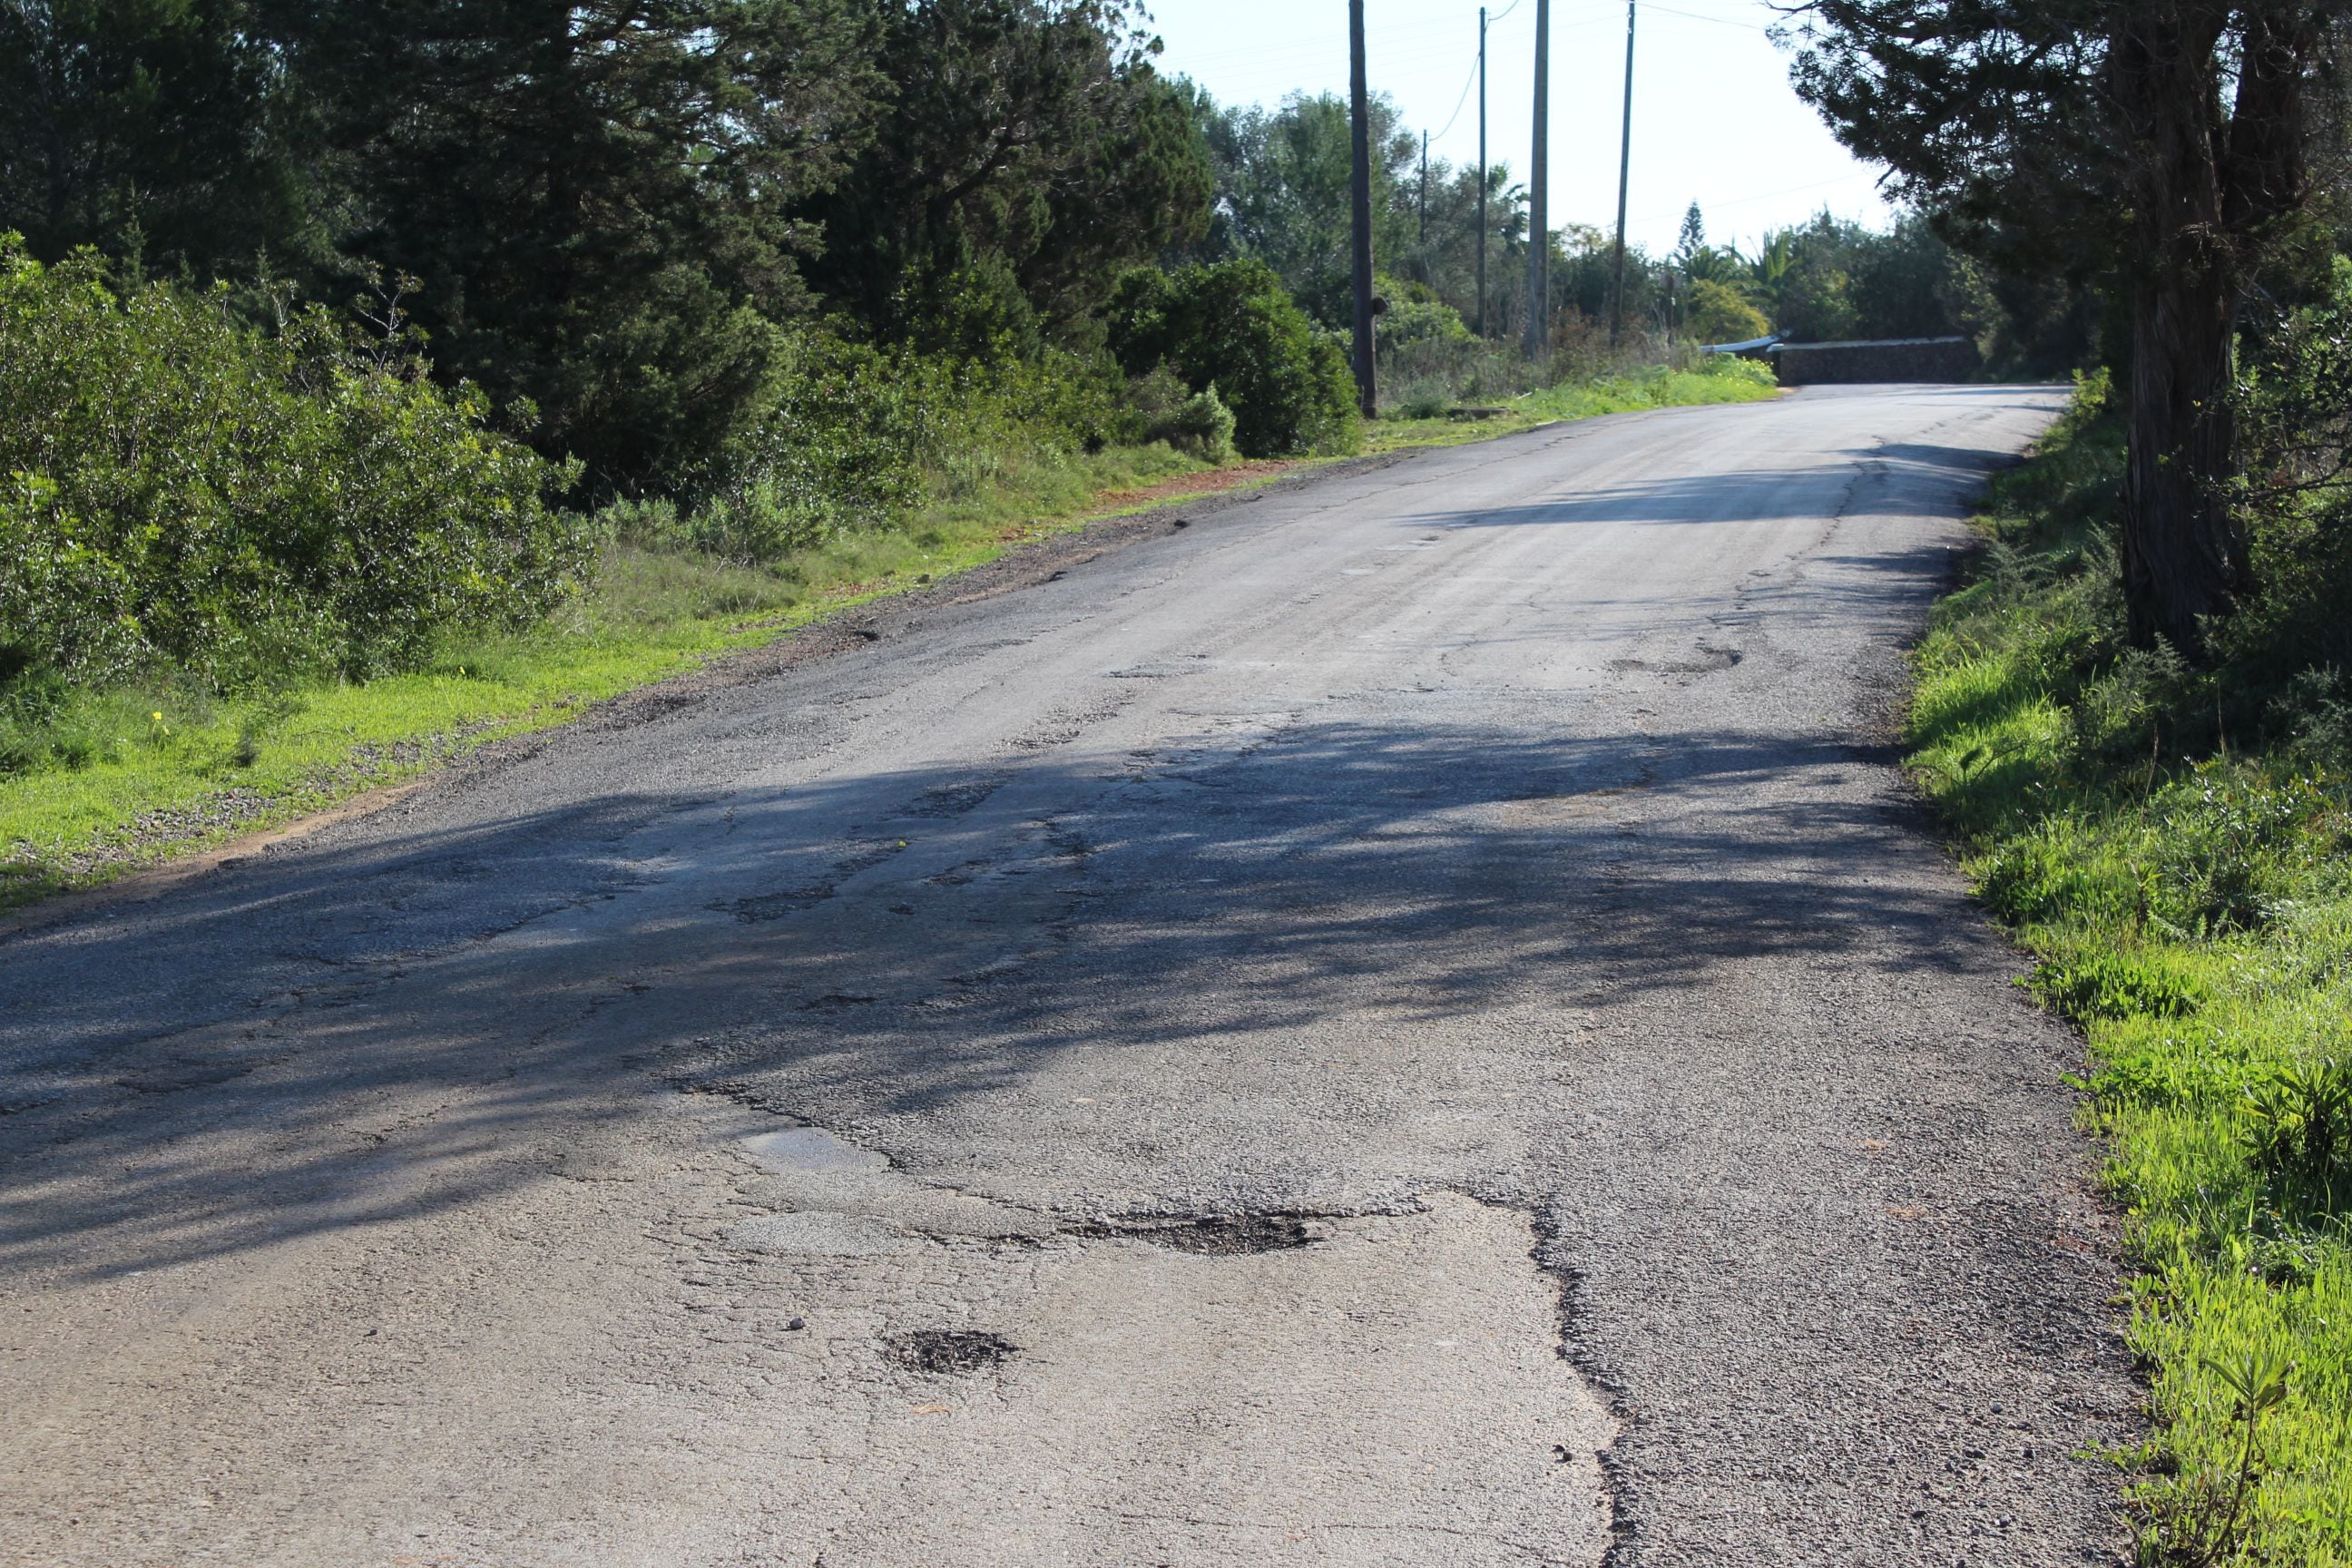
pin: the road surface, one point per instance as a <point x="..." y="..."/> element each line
<point x="1408" y="1019"/>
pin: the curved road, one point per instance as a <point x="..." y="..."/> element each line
<point x="1405" y="1020"/>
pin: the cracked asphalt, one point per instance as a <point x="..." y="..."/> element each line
<point x="1407" y="1018"/>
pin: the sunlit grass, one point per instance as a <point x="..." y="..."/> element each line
<point x="2196" y="921"/>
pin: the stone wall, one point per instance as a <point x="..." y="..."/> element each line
<point x="1891" y="359"/>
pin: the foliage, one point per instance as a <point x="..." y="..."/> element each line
<point x="1416" y="315"/>
<point x="1231" y="324"/>
<point x="609" y="245"/>
<point x="2185" y="893"/>
<point x="1197" y="424"/>
<point x="1025" y="145"/>
<point x="2294" y="401"/>
<point x="1282" y="192"/>
<point x="153" y="126"/>
<point x="1717" y="313"/>
<point x="180" y="487"/>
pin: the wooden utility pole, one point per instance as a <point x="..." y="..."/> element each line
<point x="1359" y="127"/>
<point x="1424" y="187"/>
<point x="1539" y="218"/>
<point x="1482" y="172"/>
<point x="1625" y="168"/>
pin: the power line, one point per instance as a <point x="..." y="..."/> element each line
<point x="1471" y="81"/>
<point x="1718" y="21"/>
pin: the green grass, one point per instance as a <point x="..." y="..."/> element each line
<point x="2192" y="914"/>
<point x="126" y="778"/>
<point x="1721" y="380"/>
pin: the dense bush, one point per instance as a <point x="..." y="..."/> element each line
<point x="1231" y="324"/>
<point x="243" y="505"/>
<point x="1719" y="313"/>
<point x="1197" y="424"/>
<point x="848" y="436"/>
<point x="2295" y="403"/>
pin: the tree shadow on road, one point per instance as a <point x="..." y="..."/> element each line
<point x="896" y="944"/>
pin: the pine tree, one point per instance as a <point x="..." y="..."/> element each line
<point x="598" y="201"/>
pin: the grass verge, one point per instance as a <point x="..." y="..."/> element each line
<point x="1722" y="379"/>
<point x="2192" y="915"/>
<point x="130" y="776"/>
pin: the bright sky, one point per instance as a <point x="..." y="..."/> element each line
<point x="1715" y="120"/>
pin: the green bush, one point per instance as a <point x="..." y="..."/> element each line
<point x="849" y="436"/>
<point x="1717" y="312"/>
<point x="839" y="441"/>
<point x="180" y="489"/>
<point x="1416" y="315"/>
<point x="1197" y="424"/>
<point x="1231" y="325"/>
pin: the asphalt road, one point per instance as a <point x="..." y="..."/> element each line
<point x="1408" y="1020"/>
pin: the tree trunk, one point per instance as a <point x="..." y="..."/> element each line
<point x="2184" y="555"/>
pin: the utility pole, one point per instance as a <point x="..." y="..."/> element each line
<point x="1482" y="174"/>
<point x="1424" y="187"/>
<point x="1359" y="126"/>
<point x="1624" y="169"/>
<point x="1539" y="218"/>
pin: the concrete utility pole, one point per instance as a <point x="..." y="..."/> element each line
<point x="1424" y="187"/>
<point x="1359" y="126"/>
<point x="1539" y="219"/>
<point x="1482" y="172"/>
<point x="1625" y="168"/>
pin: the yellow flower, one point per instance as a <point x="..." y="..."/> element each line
<point x="157" y="717"/>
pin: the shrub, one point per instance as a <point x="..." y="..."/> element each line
<point x="1231" y="326"/>
<point x="179" y="487"/>
<point x="1197" y="422"/>
<point x="1719" y="313"/>
<point x="1416" y="315"/>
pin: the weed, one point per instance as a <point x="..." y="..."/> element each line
<point x="2200" y="1520"/>
<point x="2116" y="986"/>
<point x="2299" y="1120"/>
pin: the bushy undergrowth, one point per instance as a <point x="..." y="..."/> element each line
<point x="1231" y="325"/>
<point x="2171" y="842"/>
<point x="184" y="493"/>
<point x="851" y="437"/>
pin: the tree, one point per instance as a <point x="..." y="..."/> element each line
<point x="599" y="197"/>
<point x="1282" y="192"/>
<point x="2168" y="140"/>
<point x="1231" y="325"/>
<point x="1028" y="154"/>
<point x="159" y="126"/>
<point x="1692" y="239"/>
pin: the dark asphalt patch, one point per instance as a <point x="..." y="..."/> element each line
<point x="948" y="1353"/>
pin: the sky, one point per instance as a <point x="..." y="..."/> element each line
<point x="1715" y="120"/>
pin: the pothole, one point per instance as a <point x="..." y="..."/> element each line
<point x="775" y="905"/>
<point x="941" y="801"/>
<point x="1211" y="1235"/>
<point x="947" y="1352"/>
<point x="1707" y="661"/>
<point x="811" y="1150"/>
